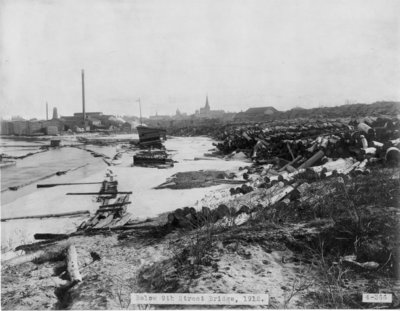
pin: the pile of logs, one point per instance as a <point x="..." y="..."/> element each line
<point x="304" y="145"/>
<point x="189" y="218"/>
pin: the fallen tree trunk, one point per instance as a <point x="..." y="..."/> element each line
<point x="72" y="265"/>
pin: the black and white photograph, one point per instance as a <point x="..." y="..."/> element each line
<point x="200" y="154"/>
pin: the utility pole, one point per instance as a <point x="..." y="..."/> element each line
<point x="140" y="108"/>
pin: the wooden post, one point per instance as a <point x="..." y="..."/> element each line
<point x="72" y="265"/>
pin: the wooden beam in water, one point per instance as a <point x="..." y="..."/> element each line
<point x="99" y="193"/>
<point x="66" y="184"/>
<point x="77" y="213"/>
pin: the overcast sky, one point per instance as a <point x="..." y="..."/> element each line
<point x="172" y="53"/>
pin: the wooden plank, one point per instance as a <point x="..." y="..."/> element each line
<point x="111" y="209"/>
<point x="116" y="204"/>
<point x="121" y="222"/>
<point x="77" y="213"/>
<point x="104" y="222"/>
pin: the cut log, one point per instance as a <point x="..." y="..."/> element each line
<point x="312" y="160"/>
<point x="72" y="265"/>
<point x="77" y="213"/>
<point x="281" y="194"/>
<point x="365" y="128"/>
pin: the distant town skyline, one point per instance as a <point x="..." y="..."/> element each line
<point x="174" y="53"/>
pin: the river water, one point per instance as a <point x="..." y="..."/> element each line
<point x="146" y="201"/>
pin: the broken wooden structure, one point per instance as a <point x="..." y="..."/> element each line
<point x="151" y="136"/>
<point x="152" y="158"/>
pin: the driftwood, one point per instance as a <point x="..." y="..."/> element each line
<point x="77" y="213"/>
<point x="72" y="265"/>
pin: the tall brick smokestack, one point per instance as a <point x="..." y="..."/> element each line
<point x="83" y="97"/>
<point x="55" y="113"/>
<point x="47" y="111"/>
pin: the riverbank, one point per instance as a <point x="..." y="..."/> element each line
<point x="318" y="238"/>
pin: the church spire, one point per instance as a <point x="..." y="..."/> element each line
<point x="207" y="104"/>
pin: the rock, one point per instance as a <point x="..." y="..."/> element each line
<point x="222" y="211"/>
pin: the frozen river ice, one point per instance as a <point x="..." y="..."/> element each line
<point x="146" y="201"/>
